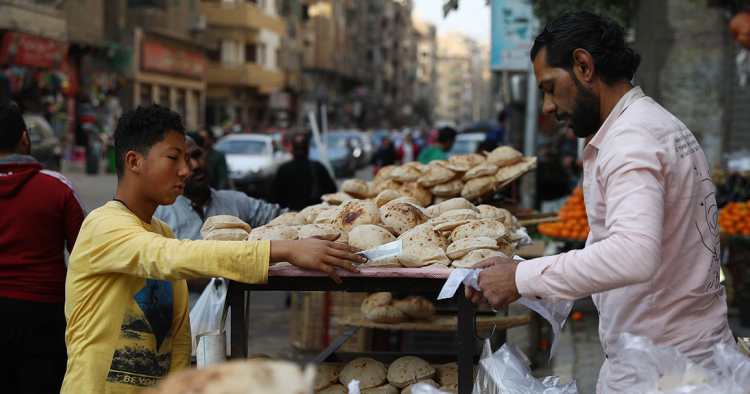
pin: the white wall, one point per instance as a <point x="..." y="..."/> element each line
<point x="268" y="42"/>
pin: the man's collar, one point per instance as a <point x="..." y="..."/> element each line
<point x="629" y="98"/>
<point x="16" y="158"/>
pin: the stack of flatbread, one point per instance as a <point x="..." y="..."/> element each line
<point x="381" y="308"/>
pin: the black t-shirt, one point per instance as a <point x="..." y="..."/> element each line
<point x="293" y="185"/>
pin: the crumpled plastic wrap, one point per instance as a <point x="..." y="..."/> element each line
<point x="554" y="312"/>
<point x="654" y="370"/>
<point x="507" y="372"/>
<point x="423" y="388"/>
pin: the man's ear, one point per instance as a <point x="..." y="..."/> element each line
<point x="24" y="144"/>
<point x="133" y="161"/>
<point x="583" y="65"/>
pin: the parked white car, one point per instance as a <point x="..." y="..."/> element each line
<point x="253" y="160"/>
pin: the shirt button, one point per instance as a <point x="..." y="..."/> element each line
<point x="538" y="298"/>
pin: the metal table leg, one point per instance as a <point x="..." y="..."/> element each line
<point x="465" y="343"/>
<point x="335" y="345"/>
<point x="237" y="301"/>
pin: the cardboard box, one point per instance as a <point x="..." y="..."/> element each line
<point x="532" y="251"/>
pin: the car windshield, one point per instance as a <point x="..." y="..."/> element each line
<point x="243" y="147"/>
<point x="337" y="141"/>
<point x="464" y="147"/>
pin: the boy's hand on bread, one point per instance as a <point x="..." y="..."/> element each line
<point x="317" y="253"/>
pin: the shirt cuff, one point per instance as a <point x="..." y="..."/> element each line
<point x="529" y="279"/>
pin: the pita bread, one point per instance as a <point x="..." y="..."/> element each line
<point x="491" y="212"/>
<point x="468" y="260"/>
<point x="508" y="172"/>
<point x="273" y="233"/>
<point x="417" y="191"/>
<point x="436" y="221"/>
<point x="314" y="230"/>
<point x="480" y="170"/>
<point x="478" y="187"/>
<point x="416" y="307"/>
<point x="503" y="156"/>
<point x="449" y="205"/>
<point x="388" y="184"/>
<point x="407" y="389"/>
<point x="408" y="200"/>
<point x="435" y="175"/>
<point x="436" y="266"/>
<point x="356" y="188"/>
<point x="409" y="370"/>
<point x="460" y="163"/>
<point x="449" y="388"/>
<point x="325" y="377"/>
<point x="449" y="189"/>
<point x="439" y="199"/>
<point x="223" y="221"/>
<point x="416" y="164"/>
<point x="420" y="257"/>
<point x="226" y="234"/>
<point x="388" y="262"/>
<point x="312" y="212"/>
<point x="375" y="300"/>
<point x="327" y="216"/>
<point x="406" y="174"/>
<point x="447" y="374"/>
<point x="289" y="219"/>
<point x="477" y="159"/>
<point x="338" y="367"/>
<point x="258" y="356"/>
<point x="368" y="372"/>
<point x="463" y="246"/>
<point x="385" y="314"/>
<point x="336" y="198"/>
<point x="482" y="228"/>
<point x="423" y="236"/>
<point x="383" y="174"/>
<point x="239" y="377"/>
<point x="355" y="213"/>
<point x="369" y="236"/>
<point x="384" y="389"/>
<point x="507" y="248"/>
<point x="386" y="196"/>
<point x="450" y="225"/>
<point x="402" y="216"/>
<point x="335" y="389"/>
<point x="461" y="214"/>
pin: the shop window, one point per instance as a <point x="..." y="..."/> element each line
<point x="146" y="97"/>
<point x="250" y="53"/>
<point x="181" y="105"/>
<point x="164" y="96"/>
<point x="214" y="55"/>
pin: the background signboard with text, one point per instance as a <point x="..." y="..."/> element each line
<point x="513" y="32"/>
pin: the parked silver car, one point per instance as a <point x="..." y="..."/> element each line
<point x="45" y="146"/>
<point x="253" y="160"/>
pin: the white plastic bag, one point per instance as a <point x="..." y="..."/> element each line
<point x="206" y="314"/>
<point x="424" y="388"/>
<point x="507" y="372"/>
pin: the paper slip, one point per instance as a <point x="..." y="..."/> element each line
<point x="382" y="251"/>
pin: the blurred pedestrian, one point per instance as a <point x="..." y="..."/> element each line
<point x="487" y="145"/>
<point x="40" y="214"/>
<point x="216" y="160"/>
<point x="445" y="138"/>
<point x="408" y="151"/>
<point x="497" y="133"/>
<point x="301" y="182"/>
<point x="384" y="156"/>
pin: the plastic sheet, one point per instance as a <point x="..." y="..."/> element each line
<point x="507" y="372"/>
<point x="206" y="314"/>
<point x="423" y="388"/>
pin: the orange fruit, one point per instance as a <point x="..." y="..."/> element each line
<point x="576" y="316"/>
<point x="543" y="343"/>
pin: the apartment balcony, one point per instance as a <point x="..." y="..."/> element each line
<point x="248" y="74"/>
<point x="241" y="15"/>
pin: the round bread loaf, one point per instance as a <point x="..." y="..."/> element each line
<point x="447" y="374"/>
<point x="510" y="171"/>
<point x="503" y="156"/>
<point x="312" y="212"/>
<point x="482" y="228"/>
<point x="368" y="372"/>
<point x="406" y="174"/>
<point x="449" y="189"/>
<point x="402" y="217"/>
<point x="435" y="175"/>
<point x="290" y="219"/>
<point x="478" y="187"/>
<point x="226" y="234"/>
<point x="369" y="236"/>
<point x="356" y="188"/>
<point x="338" y="367"/>
<point x="375" y="300"/>
<point x="385" y="197"/>
<point x="384" y="389"/>
<point x="507" y="248"/>
<point x="335" y="389"/>
<point x="461" y="214"/>
<point x="327" y="216"/>
<point x="385" y="314"/>
<point x="416" y="307"/>
<point x="407" y="389"/>
<point x="420" y="257"/>
<point x="409" y="370"/>
<point x="223" y="221"/>
<point x="423" y="236"/>
<point x="356" y="213"/>
<point x="325" y="377"/>
<point x="388" y="184"/>
<point x="408" y="200"/>
<point x="468" y="260"/>
<point x="336" y="198"/>
<point x="491" y="212"/>
<point x="463" y="246"/>
<point x="314" y="230"/>
<point x="481" y="170"/>
<point x="449" y="205"/>
<point x="439" y="199"/>
<point x="449" y="388"/>
<point x="436" y="221"/>
<point x="450" y="225"/>
<point x="417" y="191"/>
<point x="273" y="233"/>
<point x="460" y="163"/>
<point x="477" y="159"/>
<point x="383" y="174"/>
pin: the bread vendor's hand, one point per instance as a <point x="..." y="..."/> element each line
<point x="498" y="284"/>
<point x="317" y="253"/>
<point x="476" y="296"/>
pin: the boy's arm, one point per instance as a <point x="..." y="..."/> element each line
<point x="182" y="344"/>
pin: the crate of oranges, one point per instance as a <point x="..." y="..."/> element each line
<point x="573" y="224"/>
<point x="734" y="218"/>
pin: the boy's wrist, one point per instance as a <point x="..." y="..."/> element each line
<point x="279" y="251"/>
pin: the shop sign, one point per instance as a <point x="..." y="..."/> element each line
<point x="155" y="57"/>
<point x="25" y="50"/>
<point x="513" y="26"/>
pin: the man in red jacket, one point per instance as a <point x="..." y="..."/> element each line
<point x="40" y="211"/>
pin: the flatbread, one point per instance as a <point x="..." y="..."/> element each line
<point x="370" y="373"/>
<point x="336" y="198"/>
<point x="314" y="230"/>
<point x="402" y="217"/>
<point x="385" y="314"/>
<point x="312" y="212"/>
<point x="406" y="174"/>
<point x="375" y="300"/>
<point x="449" y="189"/>
<point x="223" y="221"/>
<point x="436" y="266"/>
<point x="407" y="389"/>
<point x="384" y="389"/>
<point x="447" y="374"/>
<point x="388" y="262"/>
<point x="479" y="171"/>
<point x="417" y="191"/>
<point x="449" y="388"/>
<point x="492" y="212"/>
<point x="423" y="236"/>
<point x="461" y="214"/>
<point x="383" y="174"/>
<point x="482" y="228"/>
<point x="226" y="234"/>
<point x="475" y="256"/>
<point x="510" y="171"/>
<point x="325" y="377"/>
<point x="478" y="187"/>
<point x="335" y="389"/>
<point x="386" y="196"/>
<point x="420" y="257"/>
<point x="460" y="163"/>
<point x="449" y="225"/>
<point x="503" y="156"/>
<point x="356" y="213"/>
<point x="449" y="205"/>
<point x="356" y="188"/>
<point x="290" y="219"/>
<point x="416" y="307"/>
<point x="369" y="236"/>
<point x="409" y="370"/>
<point x="327" y="216"/>
<point x="388" y="184"/>
<point x="436" y="175"/>
<point x="273" y="233"/>
<point x="463" y="246"/>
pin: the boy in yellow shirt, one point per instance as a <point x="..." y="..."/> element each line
<point x="126" y="300"/>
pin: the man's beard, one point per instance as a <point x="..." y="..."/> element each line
<point x="585" y="115"/>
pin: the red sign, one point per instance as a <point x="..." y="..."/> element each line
<point x="155" y="57"/>
<point x="25" y="50"/>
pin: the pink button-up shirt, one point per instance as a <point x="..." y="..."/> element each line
<point x="652" y="257"/>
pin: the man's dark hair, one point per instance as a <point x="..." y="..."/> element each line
<point x="501" y="116"/>
<point x="487" y="145"/>
<point x="446" y="134"/>
<point x="209" y="132"/>
<point x="12" y="126"/>
<point x="140" y="129"/>
<point x="602" y="38"/>
<point x="300" y="145"/>
<point x="196" y="137"/>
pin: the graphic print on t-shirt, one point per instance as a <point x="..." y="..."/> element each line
<point x="145" y="328"/>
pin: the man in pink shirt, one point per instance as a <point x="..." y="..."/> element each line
<point x="651" y="261"/>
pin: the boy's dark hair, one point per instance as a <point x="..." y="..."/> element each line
<point x="209" y="132"/>
<point x="140" y="129"/>
<point x="602" y="38"/>
<point x="446" y="134"/>
<point x="196" y="137"/>
<point x="12" y="126"/>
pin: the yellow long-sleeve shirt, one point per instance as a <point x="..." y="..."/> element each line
<point x="126" y="299"/>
